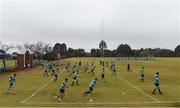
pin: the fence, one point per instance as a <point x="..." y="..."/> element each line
<point x="11" y="65"/>
<point x="135" y="58"/>
<point x="36" y="62"/>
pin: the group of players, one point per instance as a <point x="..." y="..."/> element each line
<point x="155" y="79"/>
<point x="53" y="68"/>
<point x="74" y="69"/>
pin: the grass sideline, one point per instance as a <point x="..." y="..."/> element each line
<point x="9" y="63"/>
<point x="107" y="93"/>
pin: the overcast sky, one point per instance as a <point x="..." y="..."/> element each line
<point x="139" y="23"/>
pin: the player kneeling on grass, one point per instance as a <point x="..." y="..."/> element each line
<point x="141" y="73"/>
<point x="156" y="83"/>
<point x="61" y="93"/>
<point x="12" y="79"/>
<point x="91" y="86"/>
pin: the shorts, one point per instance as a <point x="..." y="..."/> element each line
<point x="90" y="89"/>
<point x="75" y="78"/>
<point x="157" y="84"/>
<point x="102" y="75"/>
<point x="142" y="76"/>
<point x="10" y="84"/>
<point x="61" y="91"/>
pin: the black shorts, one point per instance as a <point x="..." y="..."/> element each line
<point x="157" y="84"/>
<point x="74" y="78"/>
<point x="10" y="85"/>
<point x="142" y="75"/>
<point x="62" y="91"/>
<point x="91" y="89"/>
<point x="102" y="75"/>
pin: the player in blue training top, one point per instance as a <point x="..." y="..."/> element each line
<point x="86" y="67"/>
<point x="113" y="70"/>
<point x="62" y="88"/>
<point x="141" y="73"/>
<point x="75" y="77"/>
<point x="156" y="83"/>
<point x="45" y="66"/>
<point x="102" y="73"/>
<point x="12" y="79"/>
<point x="92" y="69"/>
<point x="91" y="86"/>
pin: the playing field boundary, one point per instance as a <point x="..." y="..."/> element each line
<point x="102" y="103"/>
<point x="37" y="91"/>
<point x="126" y="81"/>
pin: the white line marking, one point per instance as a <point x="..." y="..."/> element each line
<point x="37" y="91"/>
<point x="100" y="103"/>
<point x="138" y="89"/>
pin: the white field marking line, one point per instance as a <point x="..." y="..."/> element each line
<point x="38" y="90"/>
<point x="101" y="103"/>
<point x="138" y="89"/>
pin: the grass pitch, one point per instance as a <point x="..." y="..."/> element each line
<point x="123" y="90"/>
<point x="9" y="63"/>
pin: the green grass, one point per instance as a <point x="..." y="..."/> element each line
<point x="9" y="63"/>
<point x="107" y="93"/>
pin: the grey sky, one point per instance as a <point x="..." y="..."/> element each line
<point x="139" y="23"/>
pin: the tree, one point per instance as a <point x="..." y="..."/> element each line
<point x="60" y="49"/>
<point x="124" y="50"/>
<point x="108" y="53"/>
<point x="76" y="52"/>
<point x="157" y="52"/>
<point x="81" y="53"/>
<point x="70" y="52"/>
<point x="4" y="49"/>
<point x="38" y="48"/>
<point x="114" y="53"/>
<point x="146" y="52"/>
<point x="102" y="46"/>
<point x="177" y="51"/>
<point x="49" y="56"/>
<point x="95" y="52"/>
<point x="23" y="48"/>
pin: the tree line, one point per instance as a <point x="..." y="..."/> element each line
<point x="42" y="50"/>
<point x="123" y="50"/>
